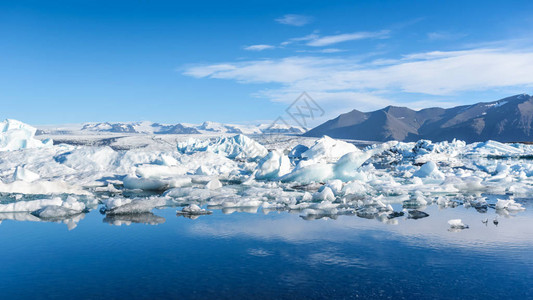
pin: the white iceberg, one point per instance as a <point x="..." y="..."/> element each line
<point x="273" y="166"/>
<point x="328" y="149"/>
<point x="429" y="170"/>
<point x="70" y="204"/>
<point x="457" y="224"/>
<point x="236" y="147"/>
<point x="15" y="135"/>
<point x="23" y="174"/>
<point x="509" y="205"/>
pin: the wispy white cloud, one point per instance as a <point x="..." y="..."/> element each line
<point x="345" y="37"/>
<point x="326" y="50"/>
<point x="439" y="36"/>
<point x="259" y="47"/>
<point x="294" y="20"/>
<point x="368" y="83"/>
<point x="308" y="37"/>
<point x="331" y="50"/>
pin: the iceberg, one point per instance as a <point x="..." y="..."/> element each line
<point x="236" y="147"/>
<point x="15" y="135"/>
<point x="328" y="150"/>
<point x="21" y="173"/>
<point x="193" y="210"/>
<point x="429" y="170"/>
<point x="273" y="166"/>
<point x="509" y="205"/>
<point x="70" y="204"/>
<point x="118" y="206"/>
<point x="457" y="224"/>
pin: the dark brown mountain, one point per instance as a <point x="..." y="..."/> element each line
<point x="505" y="120"/>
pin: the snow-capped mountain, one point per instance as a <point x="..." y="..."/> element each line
<point x="506" y="120"/>
<point x="139" y="127"/>
<point x="146" y="127"/>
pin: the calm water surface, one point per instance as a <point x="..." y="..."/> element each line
<point x="278" y="255"/>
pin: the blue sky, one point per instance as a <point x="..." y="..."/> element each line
<point x="246" y="61"/>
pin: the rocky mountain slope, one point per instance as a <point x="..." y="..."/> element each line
<point x="505" y="120"/>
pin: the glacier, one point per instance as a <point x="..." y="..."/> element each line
<point x="317" y="178"/>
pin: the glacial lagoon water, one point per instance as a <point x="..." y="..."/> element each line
<point x="279" y="255"/>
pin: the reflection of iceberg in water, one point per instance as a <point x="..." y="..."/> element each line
<point x="71" y="220"/>
<point x="193" y="211"/>
<point x="127" y="219"/>
<point x="233" y="209"/>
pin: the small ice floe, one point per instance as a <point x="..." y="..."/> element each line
<point x="109" y="188"/>
<point x="395" y="214"/>
<point x="417" y="214"/>
<point x="53" y="212"/>
<point x="457" y="224"/>
<point x="213" y="184"/>
<point x="155" y="184"/>
<point x="121" y="205"/>
<point x="193" y="211"/>
<point x="324" y="194"/>
<point x="509" y="205"/>
<point x="429" y="170"/>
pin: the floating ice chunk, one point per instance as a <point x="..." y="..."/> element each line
<point x="131" y="206"/>
<point x="493" y="148"/>
<point x="417" y="214"/>
<point x="429" y="170"/>
<point x="312" y="173"/>
<point x="202" y="170"/>
<point x="21" y="173"/>
<point x="159" y="171"/>
<point x="328" y="149"/>
<point x="213" y="184"/>
<point x="273" y="166"/>
<point x="15" y="135"/>
<point x="509" y="205"/>
<point x="239" y="146"/>
<point x="35" y="205"/>
<point x="347" y="166"/>
<point x="354" y="188"/>
<point x="236" y="203"/>
<point x="416" y="200"/>
<point x="322" y="209"/>
<point x="89" y="159"/>
<point x="457" y="224"/>
<point x="166" y="160"/>
<point x="335" y="186"/>
<point x="55" y="212"/>
<point x="152" y="184"/>
<point x="41" y="187"/>
<point x="325" y="195"/>
<point x="195" y="210"/>
<point x="108" y="188"/>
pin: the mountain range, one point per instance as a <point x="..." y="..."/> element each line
<point x="147" y="127"/>
<point x="505" y="120"/>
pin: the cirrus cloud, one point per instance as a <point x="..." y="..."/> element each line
<point x="259" y="47"/>
<point x="345" y="37"/>
<point x="437" y="73"/>
<point x="294" y="20"/>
